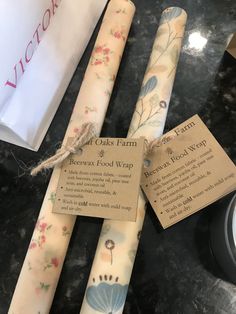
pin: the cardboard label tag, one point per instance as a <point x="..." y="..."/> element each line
<point x="102" y="180"/>
<point x="231" y="48"/>
<point x="187" y="171"/>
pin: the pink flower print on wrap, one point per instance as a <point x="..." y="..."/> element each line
<point x="41" y="229"/>
<point x="51" y="263"/>
<point x="101" y="55"/>
<point x="119" y="33"/>
<point x="55" y="262"/>
<point x="32" y="245"/>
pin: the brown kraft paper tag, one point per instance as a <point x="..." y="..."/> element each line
<point x="102" y="179"/>
<point x="231" y="48"/>
<point x="187" y="171"/>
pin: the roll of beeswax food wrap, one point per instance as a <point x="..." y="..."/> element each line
<point x="114" y="259"/>
<point x="42" y="266"/>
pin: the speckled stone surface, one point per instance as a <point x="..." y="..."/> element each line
<point x="174" y="270"/>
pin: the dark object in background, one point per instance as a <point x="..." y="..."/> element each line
<point x="223" y="238"/>
<point x="222" y="225"/>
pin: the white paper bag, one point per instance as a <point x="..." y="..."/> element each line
<point x="19" y="21"/>
<point x="49" y="39"/>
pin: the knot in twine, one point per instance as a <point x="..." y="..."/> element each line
<point x="86" y="133"/>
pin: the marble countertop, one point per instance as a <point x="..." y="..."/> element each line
<point x="174" y="270"/>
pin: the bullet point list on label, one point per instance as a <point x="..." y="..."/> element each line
<point x="102" y="177"/>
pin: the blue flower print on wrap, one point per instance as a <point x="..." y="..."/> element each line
<point x="106" y="298"/>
